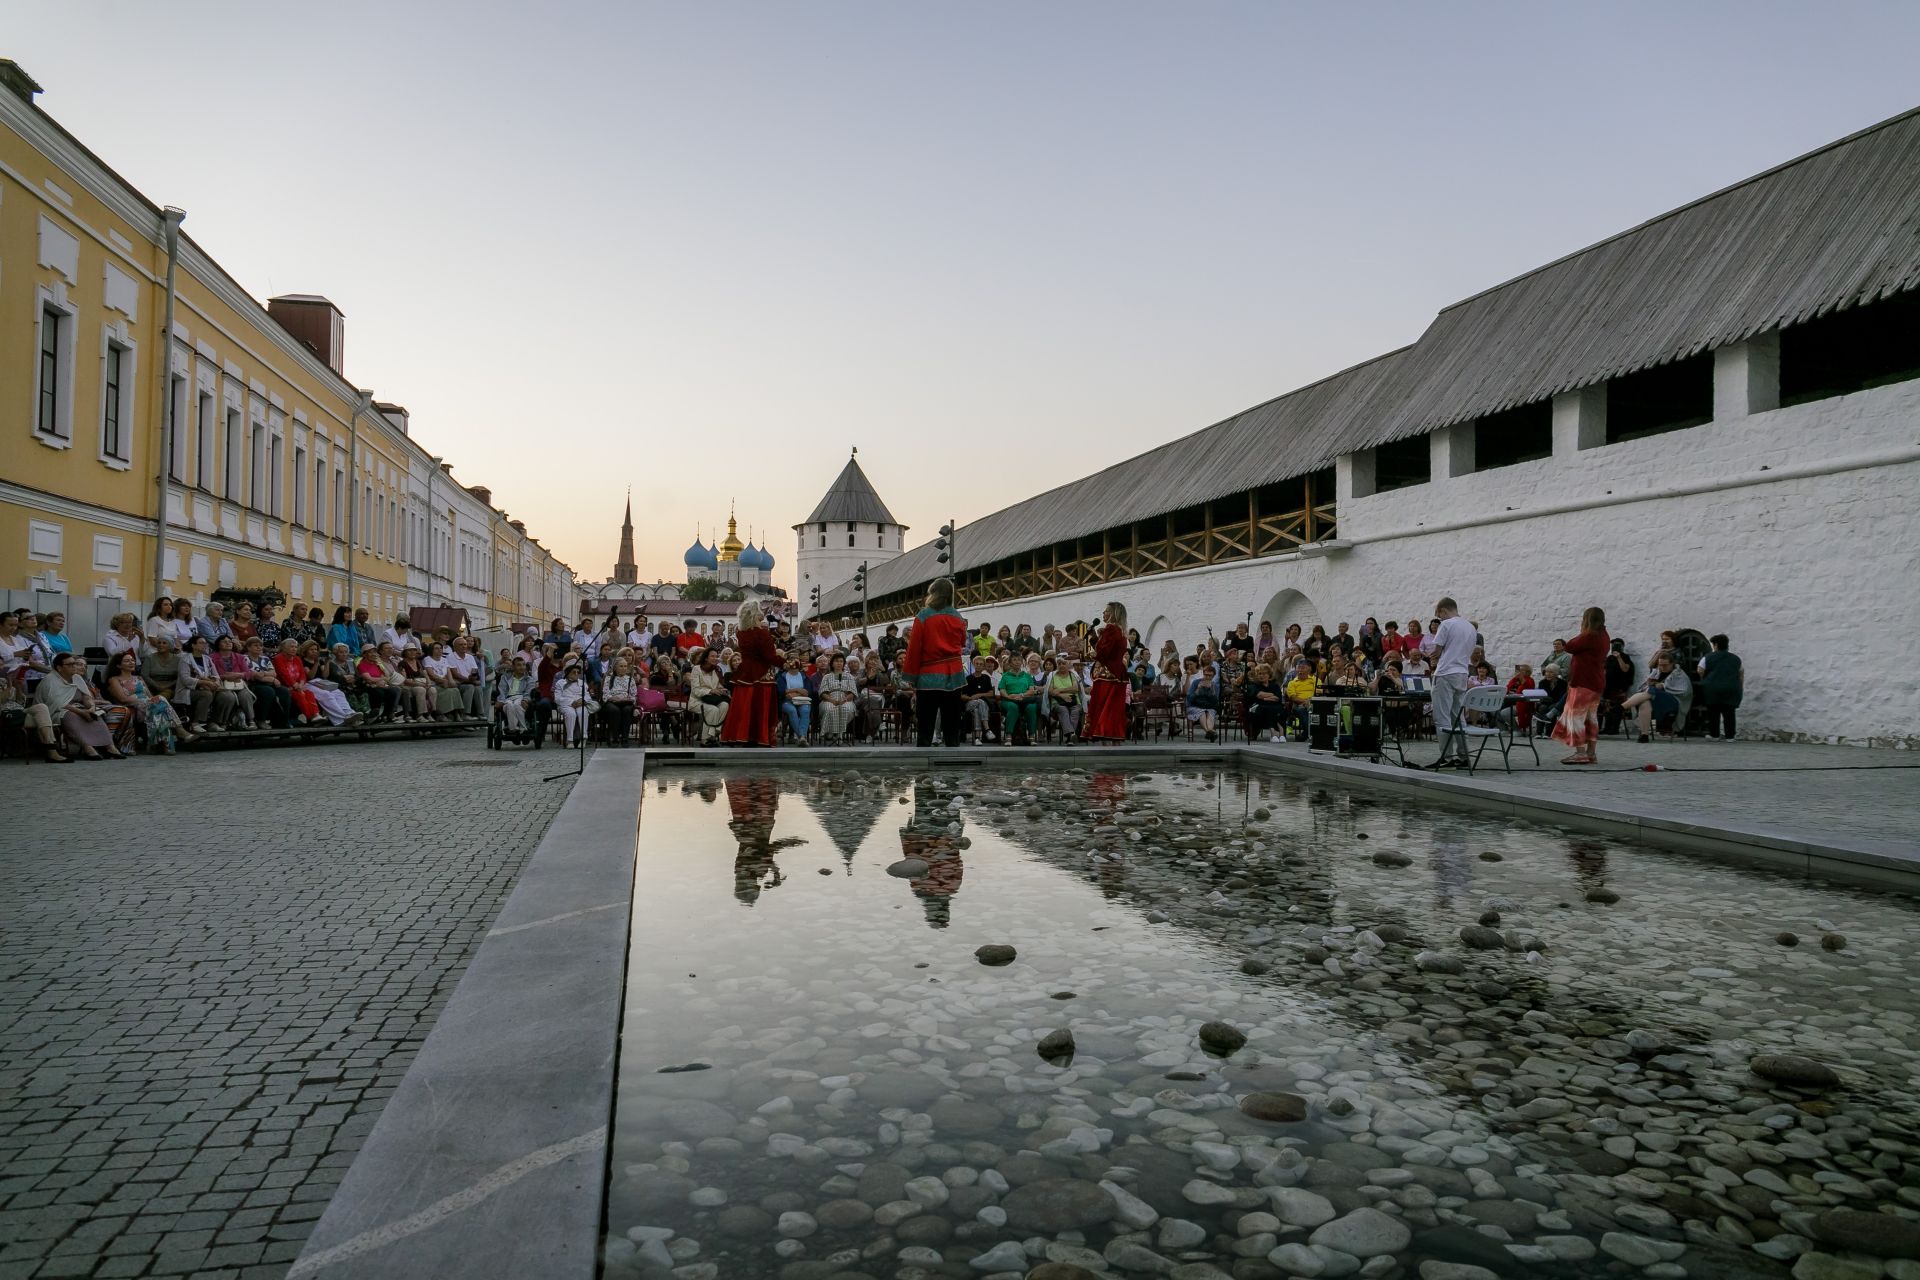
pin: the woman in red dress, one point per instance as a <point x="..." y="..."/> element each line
<point x="1107" y="707"/>
<point x="750" y="712"/>
<point x="1579" y="722"/>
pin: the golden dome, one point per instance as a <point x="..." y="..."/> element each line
<point x="731" y="548"/>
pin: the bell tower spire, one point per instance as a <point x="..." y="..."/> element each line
<point x="625" y="571"/>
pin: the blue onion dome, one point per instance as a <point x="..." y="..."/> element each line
<point x="698" y="556"/>
<point x="766" y="559"/>
<point x="756" y="558"/>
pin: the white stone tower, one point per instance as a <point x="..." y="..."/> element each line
<point x="850" y="527"/>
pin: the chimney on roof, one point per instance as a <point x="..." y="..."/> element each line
<point x="394" y="413"/>
<point x="520" y="526"/>
<point x="15" y="78"/>
<point x="316" y="322"/>
<point x="481" y="492"/>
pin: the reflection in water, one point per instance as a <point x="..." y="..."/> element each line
<point x="1452" y="865"/>
<point x="1506" y="1109"/>
<point x="932" y="834"/>
<point x="755" y="803"/>
<point x="1589" y="859"/>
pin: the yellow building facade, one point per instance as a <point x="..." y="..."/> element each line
<point x="270" y="466"/>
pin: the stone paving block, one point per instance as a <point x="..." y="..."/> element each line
<point x="198" y="1032"/>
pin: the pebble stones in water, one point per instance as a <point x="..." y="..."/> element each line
<point x="1794" y="1069"/>
<point x="1221" y="1039"/>
<point x="1441" y="962"/>
<point x="1059" y="1204"/>
<point x="1060" y="1271"/>
<point x="961" y="1118"/>
<point x="1787" y="938"/>
<point x="1253" y="966"/>
<point x="996" y="954"/>
<point x="1833" y="942"/>
<point x="1481" y="938"/>
<point x="1056" y="1045"/>
<point x="1391" y="858"/>
<point x="1490" y="856"/>
<point x="1880" y="1234"/>
<point x="1364" y="1233"/>
<point x="1605" y="897"/>
<point x="1275" y="1108"/>
<point x="909" y="869"/>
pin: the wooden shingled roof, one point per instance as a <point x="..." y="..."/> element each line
<point x="1835" y="228"/>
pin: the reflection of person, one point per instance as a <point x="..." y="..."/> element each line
<point x="755" y="803"/>
<point x="928" y="836"/>
<point x="1107" y="706"/>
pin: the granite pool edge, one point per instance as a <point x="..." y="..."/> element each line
<point x="460" y="1175"/>
<point x="1841" y="863"/>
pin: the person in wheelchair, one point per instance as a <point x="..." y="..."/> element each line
<point x="513" y="700"/>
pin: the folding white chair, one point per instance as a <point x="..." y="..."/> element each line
<point x="1488" y="700"/>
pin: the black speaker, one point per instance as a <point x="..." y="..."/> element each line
<point x="1323" y="723"/>
<point x="1368" y="722"/>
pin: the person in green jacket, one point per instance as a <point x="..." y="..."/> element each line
<point x="1019" y="705"/>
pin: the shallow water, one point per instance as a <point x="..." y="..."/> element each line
<point x="819" y="1079"/>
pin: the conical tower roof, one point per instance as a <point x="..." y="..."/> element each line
<point x="851" y="498"/>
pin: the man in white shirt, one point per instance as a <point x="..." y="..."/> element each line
<point x="1453" y="643"/>
<point x="465" y="670"/>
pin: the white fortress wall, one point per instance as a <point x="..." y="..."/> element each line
<point x="1794" y="531"/>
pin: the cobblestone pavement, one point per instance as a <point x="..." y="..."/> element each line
<point x="214" y="971"/>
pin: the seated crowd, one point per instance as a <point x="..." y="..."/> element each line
<point x="176" y="677"/>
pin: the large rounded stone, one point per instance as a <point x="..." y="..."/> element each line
<point x="960" y="1117"/>
<point x="1221" y="1038"/>
<point x="995" y="954"/>
<point x="657" y="1189"/>
<point x="1064" y="1204"/>
<point x="692" y="1118"/>
<point x="744" y="1221"/>
<point x="883" y="1182"/>
<point x="1793" y="1069"/>
<point x="928" y="1229"/>
<point x="844" y="1215"/>
<point x="1062" y="1271"/>
<point x="1481" y="938"/>
<point x="913" y="1089"/>
<point x="1880" y="1234"/>
<point x="1364" y="1233"/>
<point x="1280" y="1108"/>
<point x="908" y="869"/>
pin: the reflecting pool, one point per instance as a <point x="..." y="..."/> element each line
<point x="1202" y="1023"/>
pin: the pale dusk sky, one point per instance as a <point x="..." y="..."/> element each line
<point x="703" y="249"/>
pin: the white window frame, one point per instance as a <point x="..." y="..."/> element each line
<point x="206" y="454"/>
<point x="178" y="404"/>
<point x="299" y="483"/>
<point x="257" y="481"/>
<point x="277" y="474"/>
<point x="233" y="482"/>
<point x="112" y="340"/>
<point x="47" y="300"/>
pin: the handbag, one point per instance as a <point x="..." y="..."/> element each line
<point x="234" y="686"/>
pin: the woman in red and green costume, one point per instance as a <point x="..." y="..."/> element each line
<point x="1107" y="706"/>
<point x="932" y="666"/>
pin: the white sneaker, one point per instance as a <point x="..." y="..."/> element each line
<point x="991" y="738"/>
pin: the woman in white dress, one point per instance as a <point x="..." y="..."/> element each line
<point x="573" y="697"/>
<point x="839" y="694"/>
